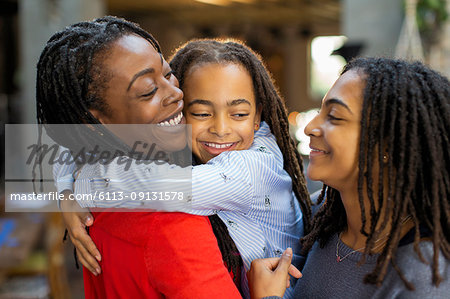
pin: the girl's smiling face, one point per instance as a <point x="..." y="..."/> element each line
<point x="221" y="107"/>
<point x="335" y="134"/>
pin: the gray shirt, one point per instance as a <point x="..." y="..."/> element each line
<point x="324" y="277"/>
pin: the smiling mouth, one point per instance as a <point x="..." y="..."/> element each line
<point x="219" y="145"/>
<point x="175" y="120"/>
<point x="317" y="151"/>
<point x="215" y="148"/>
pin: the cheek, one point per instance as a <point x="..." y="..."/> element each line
<point x="247" y="134"/>
<point x="147" y="112"/>
<point x="196" y="127"/>
<point x="347" y="154"/>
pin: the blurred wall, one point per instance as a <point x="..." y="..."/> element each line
<point x="38" y="20"/>
<point x="376" y="24"/>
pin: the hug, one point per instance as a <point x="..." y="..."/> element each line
<point x="379" y="144"/>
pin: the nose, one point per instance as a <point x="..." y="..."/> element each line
<point x="220" y="126"/>
<point x="174" y="94"/>
<point x="313" y="128"/>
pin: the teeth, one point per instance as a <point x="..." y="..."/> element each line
<point x="172" y="122"/>
<point x="316" y="150"/>
<point x="216" y="145"/>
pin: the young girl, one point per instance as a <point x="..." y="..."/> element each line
<point x="251" y="165"/>
<point x="380" y="145"/>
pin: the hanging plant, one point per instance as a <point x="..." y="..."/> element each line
<point x="431" y="16"/>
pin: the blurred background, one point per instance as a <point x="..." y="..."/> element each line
<point x="304" y="43"/>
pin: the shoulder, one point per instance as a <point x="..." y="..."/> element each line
<point x="418" y="273"/>
<point x="409" y="260"/>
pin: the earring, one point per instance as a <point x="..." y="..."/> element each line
<point x="385" y="158"/>
<point x="256" y="127"/>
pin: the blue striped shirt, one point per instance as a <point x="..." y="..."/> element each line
<point x="249" y="190"/>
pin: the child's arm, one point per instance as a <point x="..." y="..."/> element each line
<point x="63" y="174"/>
<point x="75" y="218"/>
<point x="227" y="182"/>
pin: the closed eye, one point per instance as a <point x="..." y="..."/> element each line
<point x="151" y="93"/>
<point x="200" y="114"/>
<point x="241" y="114"/>
<point x="331" y="117"/>
<point x="169" y="74"/>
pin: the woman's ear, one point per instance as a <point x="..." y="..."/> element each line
<point x="258" y="117"/>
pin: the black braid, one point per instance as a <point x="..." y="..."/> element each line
<point x="199" y="52"/>
<point x="405" y="114"/>
<point x="71" y="79"/>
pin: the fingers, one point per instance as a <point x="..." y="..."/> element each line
<point x="269" y="263"/>
<point x="76" y="222"/>
<point x="88" y="219"/>
<point x="285" y="261"/>
<point x="295" y="272"/>
<point x="86" y="264"/>
<point x="84" y="239"/>
<point x="89" y="261"/>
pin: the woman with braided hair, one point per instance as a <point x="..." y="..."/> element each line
<point x="380" y="144"/>
<point x="110" y="71"/>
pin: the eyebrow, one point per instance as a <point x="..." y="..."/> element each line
<point x="238" y="102"/>
<point x="209" y="103"/>
<point x="200" y="102"/>
<point x="141" y="73"/>
<point x="338" y="102"/>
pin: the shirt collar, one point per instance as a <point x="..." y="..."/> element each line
<point x="263" y="130"/>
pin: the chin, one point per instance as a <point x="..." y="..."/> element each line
<point x="174" y="145"/>
<point x="312" y="175"/>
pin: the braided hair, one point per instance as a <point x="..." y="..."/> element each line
<point x="198" y="52"/>
<point x="71" y="79"/>
<point x="406" y="116"/>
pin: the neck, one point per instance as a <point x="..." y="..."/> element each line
<point x="352" y="236"/>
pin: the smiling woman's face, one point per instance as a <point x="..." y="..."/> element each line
<point x="142" y="90"/>
<point x="335" y="134"/>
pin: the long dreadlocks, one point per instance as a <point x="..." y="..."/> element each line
<point x="199" y="52"/>
<point x="406" y="116"/>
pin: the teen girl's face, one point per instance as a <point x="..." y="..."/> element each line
<point x="142" y="89"/>
<point x="221" y="107"/>
<point x="335" y="133"/>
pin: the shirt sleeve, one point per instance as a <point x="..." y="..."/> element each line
<point x="63" y="173"/>
<point x="225" y="183"/>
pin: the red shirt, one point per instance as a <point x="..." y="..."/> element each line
<point x="157" y="255"/>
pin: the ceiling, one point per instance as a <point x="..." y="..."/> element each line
<point x="318" y="16"/>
